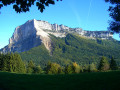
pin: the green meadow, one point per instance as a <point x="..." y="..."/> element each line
<point x="83" y="81"/>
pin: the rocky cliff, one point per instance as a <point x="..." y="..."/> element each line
<point x="35" y="32"/>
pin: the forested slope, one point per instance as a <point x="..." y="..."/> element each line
<point x="74" y="48"/>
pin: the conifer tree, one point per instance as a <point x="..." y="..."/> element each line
<point x="113" y="64"/>
<point x="1" y="61"/>
<point x="104" y="65"/>
<point x="12" y="63"/>
<point x="48" y="67"/>
<point x="31" y="66"/>
<point x="20" y="64"/>
<point x="16" y="64"/>
<point x="5" y="63"/>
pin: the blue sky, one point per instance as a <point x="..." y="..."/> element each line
<point x="87" y="14"/>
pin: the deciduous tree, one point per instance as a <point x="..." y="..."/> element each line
<point x="69" y="69"/>
<point x="76" y="67"/>
<point x="38" y="69"/>
<point x="24" y="5"/>
<point x="115" y="15"/>
<point x="53" y="68"/>
<point x="92" y="68"/>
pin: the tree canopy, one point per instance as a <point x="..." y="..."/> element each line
<point x="24" y="5"/>
<point x="115" y="15"/>
<point x="104" y="65"/>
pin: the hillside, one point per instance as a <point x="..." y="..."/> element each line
<point x="41" y="42"/>
<point x="73" y="48"/>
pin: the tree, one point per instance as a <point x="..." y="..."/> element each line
<point x="115" y="15"/>
<point x="69" y="69"/>
<point x="16" y="64"/>
<point x="53" y="68"/>
<point x="24" y="5"/>
<point x="92" y="68"/>
<point x="12" y="63"/>
<point x="19" y="64"/>
<point x="37" y="69"/>
<point x="86" y="68"/>
<point x="4" y="65"/>
<point x="31" y="66"/>
<point x="60" y="70"/>
<point x="1" y="61"/>
<point x="113" y="65"/>
<point x="76" y="67"/>
<point x="5" y="62"/>
<point x="104" y="65"/>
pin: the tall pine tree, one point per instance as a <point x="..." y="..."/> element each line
<point x="113" y="64"/>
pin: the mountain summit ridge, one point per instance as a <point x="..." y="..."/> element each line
<point x="35" y="32"/>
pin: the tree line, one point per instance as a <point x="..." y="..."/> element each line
<point x="13" y="63"/>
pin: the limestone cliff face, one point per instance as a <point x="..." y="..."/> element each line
<point x="35" y="32"/>
<point x="22" y="32"/>
<point x="27" y="36"/>
<point x="32" y="34"/>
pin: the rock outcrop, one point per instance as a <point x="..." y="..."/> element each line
<point x="35" y="32"/>
<point x="27" y="36"/>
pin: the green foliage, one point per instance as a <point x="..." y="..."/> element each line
<point x="86" y="68"/>
<point x="93" y="68"/>
<point x="113" y="65"/>
<point x="73" y="48"/>
<point x="104" y="65"/>
<point x="17" y="64"/>
<point x="53" y="68"/>
<point x="39" y="55"/>
<point x="24" y="5"/>
<point x="69" y="69"/>
<point x="115" y="15"/>
<point x="76" y="68"/>
<point x="12" y="63"/>
<point x="38" y="69"/>
<point x="30" y="67"/>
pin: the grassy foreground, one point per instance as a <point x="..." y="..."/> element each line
<point x="83" y="81"/>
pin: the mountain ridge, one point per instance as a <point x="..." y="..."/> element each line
<point x="34" y="32"/>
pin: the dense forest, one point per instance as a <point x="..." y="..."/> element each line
<point x="72" y="54"/>
<point x="13" y="63"/>
<point x="74" y="48"/>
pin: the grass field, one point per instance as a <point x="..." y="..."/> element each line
<point x="83" y="81"/>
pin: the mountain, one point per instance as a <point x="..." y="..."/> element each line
<point x="73" y="48"/>
<point x="35" y="32"/>
<point x="41" y="42"/>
